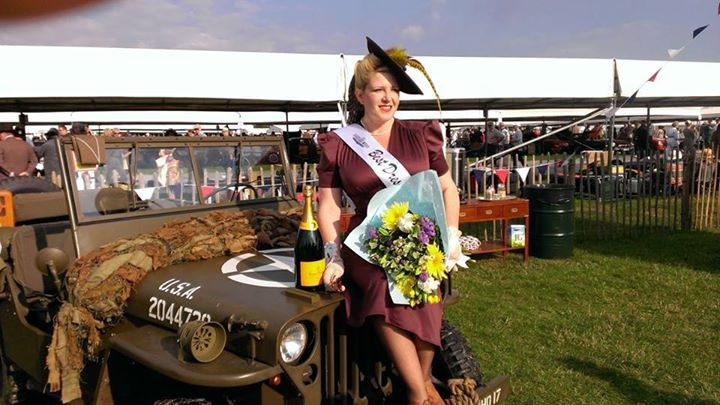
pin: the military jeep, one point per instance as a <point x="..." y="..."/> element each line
<point x="222" y="327"/>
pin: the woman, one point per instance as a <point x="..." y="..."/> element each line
<point x="410" y="334"/>
<point x="658" y="139"/>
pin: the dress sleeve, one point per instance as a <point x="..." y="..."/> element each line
<point x="327" y="169"/>
<point x="435" y="141"/>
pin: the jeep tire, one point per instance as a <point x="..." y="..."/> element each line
<point x="455" y="360"/>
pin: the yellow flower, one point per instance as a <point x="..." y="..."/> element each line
<point x="435" y="261"/>
<point x="393" y="214"/>
<point x="407" y="286"/>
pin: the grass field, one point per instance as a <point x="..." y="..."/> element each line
<point x="621" y="322"/>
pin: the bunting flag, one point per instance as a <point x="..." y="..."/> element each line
<point x="672" y="53"/>
<point x="479" y="174"/>
<point x="632" y="98"/>
<point x="697" y="31"/>
<point x="675" y="52"/>
<point x="522" y="172"/>
<point x="654" y="76"/>
<point x="542" y="168"/>
<point x="502" y="175"/>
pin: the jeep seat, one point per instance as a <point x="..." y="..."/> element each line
<point x="33" y="207"/>
<point x="25" y="242"/>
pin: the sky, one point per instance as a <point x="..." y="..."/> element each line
<point x="624" y="29"/>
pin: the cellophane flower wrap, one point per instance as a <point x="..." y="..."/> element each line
<point x="422" y="194"/>
<point x="408" y="247"/>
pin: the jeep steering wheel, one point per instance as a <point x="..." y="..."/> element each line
<point x="235" y="191"/>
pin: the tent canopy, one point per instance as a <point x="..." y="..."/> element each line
<point x="44" y="79"/>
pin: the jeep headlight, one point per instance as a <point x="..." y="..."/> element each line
<point x="293" y="342"/>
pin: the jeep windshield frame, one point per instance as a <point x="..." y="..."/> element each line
<point x="142" y="182"/>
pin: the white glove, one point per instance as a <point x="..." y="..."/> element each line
<point x="454" y="256"/>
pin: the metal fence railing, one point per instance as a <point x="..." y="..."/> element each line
<point x="630" y="196"/>
<point x="626" y="197"/>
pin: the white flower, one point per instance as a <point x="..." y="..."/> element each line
<point x="405" y="223"/>
<point x="429" y="286"/>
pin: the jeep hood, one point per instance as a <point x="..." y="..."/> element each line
<point x="252" y="286"/>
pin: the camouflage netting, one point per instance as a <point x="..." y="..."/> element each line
<point x="104" y="278"/>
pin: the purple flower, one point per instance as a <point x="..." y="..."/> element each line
<point x="423" y="276"/>
<point x="423" y="237"/>
<point x="372" y="233"/>
<point x="427" y="226"/>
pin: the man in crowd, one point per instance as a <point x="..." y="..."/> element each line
<point x="715" y="140"/>
<point x="690" y="133"/>
<point x="516" y="138"/>
<point x="641" y="141"/>
<point x="671" y="140"/>
<point x="198" y="131"/>
<point x="17" y="157"/>
<point x="495" y="139"/>
<point x="78" y="128"/>
<point x="506" y="136"/>
<point x="49" y="154"/>
<point x="705" y="133"/>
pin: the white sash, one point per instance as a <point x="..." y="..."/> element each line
<point x="386" y="166"/>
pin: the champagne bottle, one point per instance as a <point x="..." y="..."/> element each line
<point x="309" y="252"/>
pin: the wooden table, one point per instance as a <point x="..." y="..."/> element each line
<point x="498" y="210"/>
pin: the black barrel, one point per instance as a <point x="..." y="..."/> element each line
<point x="552" y="220"/>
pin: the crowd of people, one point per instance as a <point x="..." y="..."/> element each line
<point x="643" y="138"/>
<point x="16" y="159"/>
<point x="670" y="138"/>
<point x="497" y="137"/>
<point x="22" y="158"/>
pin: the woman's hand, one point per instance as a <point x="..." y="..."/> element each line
<point x="332" y="276"/>
<point x="329" y="211"/>
<point x="455" y="257"/>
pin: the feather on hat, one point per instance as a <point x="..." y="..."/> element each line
<point x="396" y="61"/>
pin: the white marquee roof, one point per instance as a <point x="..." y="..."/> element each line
<point x="43" y="79"/>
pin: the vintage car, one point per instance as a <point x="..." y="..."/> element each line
<point x="221" y="326"/>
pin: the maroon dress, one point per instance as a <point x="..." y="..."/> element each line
<point x="418" y="146"/>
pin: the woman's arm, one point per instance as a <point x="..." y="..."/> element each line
<point x="329" y="210"/>
<point x="451" y="199"/>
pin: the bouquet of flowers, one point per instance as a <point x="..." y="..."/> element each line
<point x="408" y="247"/>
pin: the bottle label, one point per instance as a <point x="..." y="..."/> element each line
<point x="308" y="226"/>
<point x="311" y="273"/>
